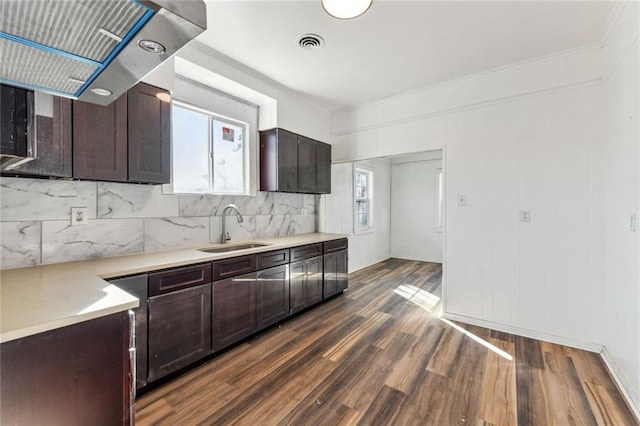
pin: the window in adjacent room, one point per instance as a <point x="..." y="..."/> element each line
<point x="363" y="195"/>
<point x="210" y="153"/>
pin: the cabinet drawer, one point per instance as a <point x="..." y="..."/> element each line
<point x="336" y="245"/>
<point x="272" y="258"/>
<point x="306" y="252"/>
<point x="235" y="266"/>
<point x="176" y="279"/>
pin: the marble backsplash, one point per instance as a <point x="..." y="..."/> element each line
<point x="127" y="218"/>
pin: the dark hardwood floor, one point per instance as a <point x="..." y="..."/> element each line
<point x="380" y="355"/>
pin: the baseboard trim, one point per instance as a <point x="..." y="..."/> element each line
<point x="551" y="338"/>
<point x="623" y="386"/>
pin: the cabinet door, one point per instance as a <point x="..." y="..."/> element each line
<point x="149" y="134"/>
<point x="234" y="310"/>
<point x="314" y="281"/>
<point x="179" y="329"/>
<point x="342" y="270"/>
<point x="16" y="120"/>
<point x="100" y="140"/>
<point x="298" y="286"/>
<point x="287" y="147"/>
<point x="306" y="165"/>
<point x="272" y="304"/>
<point x="330" y="284"/>
<point x="323" y="168"/>
<point x="74" y="375"/>
<point x="53" y="140"/>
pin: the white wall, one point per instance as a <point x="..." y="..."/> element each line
<point x="523" y="137"/>
<point x="414" y="201"/>
<point x="336" y="214"/>
<point x="558" y="137"/>
<point x="618" y="313"/>
<point x="293" y="111"/>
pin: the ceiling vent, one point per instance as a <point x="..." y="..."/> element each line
<point x="311" y="41"/>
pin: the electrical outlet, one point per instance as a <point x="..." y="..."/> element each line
<point x="462" y="200"/>
<point x="304" y="211"/>
<point x="525" y="216"/>
<point x="79" y="216"/>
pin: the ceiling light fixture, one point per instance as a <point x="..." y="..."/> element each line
<point x="346" y="9"/>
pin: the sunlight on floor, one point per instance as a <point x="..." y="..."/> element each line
<point x="483" y="342"/>
<point x="422" y="298"/>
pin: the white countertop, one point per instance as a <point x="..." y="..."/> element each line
<point x="46" y="297"/>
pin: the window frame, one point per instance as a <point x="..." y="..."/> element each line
<point x="359" y="229"/>
<point x="246" y="151"/>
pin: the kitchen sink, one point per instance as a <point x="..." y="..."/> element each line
<point x="237" y="247"/>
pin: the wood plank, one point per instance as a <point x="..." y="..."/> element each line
<point x="499" y="387"/>
<point x="384" y="408"/>
<point x="373" y="357"/>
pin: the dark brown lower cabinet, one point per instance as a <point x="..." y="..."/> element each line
<point x="305" y="283"/>
<point x="335" y="273"/>
<point x="234" y="309"/>
<point x="179" y="329"/>
<point x="75" y="375"/>
<point x="272" y="299"/>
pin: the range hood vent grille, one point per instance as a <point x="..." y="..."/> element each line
<point x="89" y="49"/>
<point x="71" y="26"/>
<point x="33" y="67"/>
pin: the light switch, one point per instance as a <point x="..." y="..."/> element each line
<point x="462" y="200"/>
<point x="633" y="222"/>
<point x="525" y="216"/>
<point x="79" y="215"/>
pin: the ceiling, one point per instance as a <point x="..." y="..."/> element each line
<point x="396" y="46"/>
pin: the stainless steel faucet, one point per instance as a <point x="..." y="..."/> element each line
<point x="225" y="235"/>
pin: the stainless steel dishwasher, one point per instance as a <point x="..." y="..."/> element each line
<point x="137" y="286"/>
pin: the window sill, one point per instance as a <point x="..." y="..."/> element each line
<point x="360" y="231"/>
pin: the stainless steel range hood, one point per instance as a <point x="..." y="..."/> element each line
<point x="92" y="50"/>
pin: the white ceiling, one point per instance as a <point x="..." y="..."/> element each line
<point x="396" y="46"/>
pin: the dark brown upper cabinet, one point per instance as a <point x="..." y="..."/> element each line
<point x="16" y="124"/>
<point x="323" y="168"/>
<point x="294" y="163"/>
<point x="128" y="140"/>
<point x="100" y="140"/>
<point x="53" y="139"/>
<point x="149" y="134"/>
<point x="306" y="165"/>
